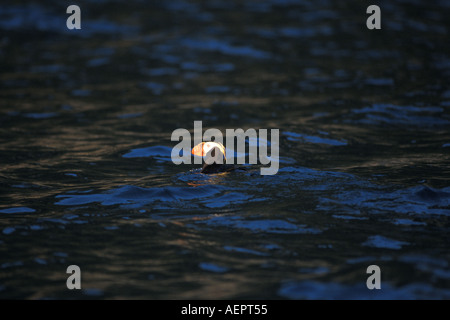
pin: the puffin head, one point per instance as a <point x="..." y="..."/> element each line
<point x="213" y="151"/>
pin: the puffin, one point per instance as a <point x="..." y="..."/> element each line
<point x="215" y="158"/>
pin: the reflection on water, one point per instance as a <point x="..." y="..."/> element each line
<point x="86" y="174"/>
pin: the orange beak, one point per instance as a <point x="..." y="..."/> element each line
<point x="198" y="150"/>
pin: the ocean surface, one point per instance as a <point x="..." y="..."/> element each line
<point x="87" y="179"/>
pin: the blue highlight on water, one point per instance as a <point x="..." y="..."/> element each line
<point x="17" y="210"/>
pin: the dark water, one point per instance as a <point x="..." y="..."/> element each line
<point x="86" y="175"/>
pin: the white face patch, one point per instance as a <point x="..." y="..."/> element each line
<point x="208" y="146"/>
